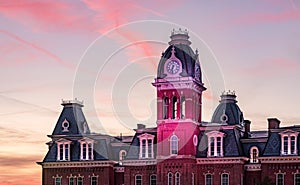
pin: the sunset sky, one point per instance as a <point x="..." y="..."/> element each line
<point x="106" y="54"/>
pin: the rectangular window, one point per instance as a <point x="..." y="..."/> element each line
<point x="94" y="181"/>
<point x="293" y="145"/>
<point x="297" y="179"/>
<point x="84" y="151"/>
<point x="212" y="146"/>
<point x="61" y="152"/>
<point x="279" y="179"/>
<point x="79" y="181"/>
<point x="143" y="148"/>
<point x="67" y="151"/>
<point x="57" y="180"/>
<point x="219" y="146"/>
<point x="138" y="180"/>
<point x="224" y="179"/>
<point x="153" y="180"/>
<point x="90" y="151"/>
<point x="150" y="148"/>
<point x="71" y="181"/>
<point x="208" y="179"/>
<point x="285" y="145"/>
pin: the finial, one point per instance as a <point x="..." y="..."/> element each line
<point x="173" y="50"/>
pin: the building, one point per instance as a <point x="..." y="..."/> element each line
<point x="181" y="149"/>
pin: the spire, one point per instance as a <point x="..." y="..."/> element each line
<point x="180" y="37"/>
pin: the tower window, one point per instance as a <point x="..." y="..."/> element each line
<point x="254" y="154"/>
<point x="170" y="178"/>
<point x="224" y="179"/>
<point x="86" y="149"/>
<point x="289" y="142"/>
<point x="63" y="150"/>
<point x="174" y="145"/>
<point x="146" y="146"/>
<point x="215" y="144"/>
<point x="165" y="108"/>
<point x="174" y="106"/>
<point x="138" y="180"/>
<point x="182" y="107"/>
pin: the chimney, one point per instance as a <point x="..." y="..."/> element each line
<point x="273" y="123"/>
<point x="247" y="127"/>
<point x="140" y="126"/>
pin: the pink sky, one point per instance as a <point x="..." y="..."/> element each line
<point x="46" y="45"/>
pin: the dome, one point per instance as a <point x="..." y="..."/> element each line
<point x="228" y="112"/>
<point x="180" y="45"/>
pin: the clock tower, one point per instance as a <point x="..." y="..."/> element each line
<point x="179" y="100"/>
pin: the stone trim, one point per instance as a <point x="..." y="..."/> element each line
<point x="138" y="162"/>
<point x="78" y="164"/>
<point x="280" y="159"/>
<point x="222" y="160"/>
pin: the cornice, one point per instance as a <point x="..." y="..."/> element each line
<point x="69" y="164"/>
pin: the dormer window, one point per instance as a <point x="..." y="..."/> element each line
<point x="63" y="149"/>
<point x="289" y="142"/>
<point x="122" y="155"/>
<point x="146" y="146"/>
<point x="174" y="145"/>
<point x="86" y="149"/>
<point x="215" y="144"/>
<point x="254" y="153"/>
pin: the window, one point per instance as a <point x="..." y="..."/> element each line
<point x="215" y="144"/>
<point x="94" y="180"/>
<point x="182" y="107"/>
<point x="122" y="155"/>
<point x="297" y="179"/>
<point x="174" y="106"/>
<point x="254" y="153"/>
<point x="138" y="180"/>
<point x="146" y="146"/>
<point x="86" y="149"/>
<point x="57" y="180"/>
<point x="170" y="178"/>
<point x="80" y="180"/>
<point x="279" y="179"/>
<point x="71" y="181"/>
<point x="174" y="145"/>
<point x="177" y="178"/>
<point x="153" y="180"/>
<point x="165" y="108"/>
<point x="289" y="142"/>
<point x="224" y="179"/>
<point x="208" y="179"/>
<point x="193" y="179"/>
<point x="63" y="150"/>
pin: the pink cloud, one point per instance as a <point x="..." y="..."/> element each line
<point x="273" y="66"/>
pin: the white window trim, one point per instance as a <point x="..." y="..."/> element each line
<point x="146" y="137"/>
<point x="86" y="141"/>
<point x="193" y="178"/>
<point x="96" y="178"/>
<point x="222" y="178"/>
<point x="151" y="179"/>
<point x="170" y="173"/>
<point x="289" y="133"/>
<point x="136" y="179"/>
<point x="215" y="135"/>
<point x="212" y="178"/>
<point x="79" y="176"/>
<point x="177" y="145"/>
<point x="176" y="180"/>
<point x="277" y="177"/>
<point x="251" y="154"/>
<point x="63" y="142"/>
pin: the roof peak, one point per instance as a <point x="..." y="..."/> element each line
<point x="228" y="97"/>
<point x="180" y="37"/>
<point x="72" y="102"/>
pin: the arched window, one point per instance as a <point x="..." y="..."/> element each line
<point x="94" y="180"/>
<point x="279" y="179"/>
<point x="138" y="180"/>
<point x="152" y="179"/>
<point x="177" y="178"/>
<point x="80" y="180"/>
<point x="174" y="105"/>
<point x="182" y="107"/>
<point x="122" y="155"/>
<point x="170" y="178"/>
<point x="224" y="179"/>
<point x="174" y="145"/>
<point x="208" y="179"/>
<point x="254" y="154"/>
<point x="165" y="108"/>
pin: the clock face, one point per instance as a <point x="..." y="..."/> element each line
<point x="173" y="66"/>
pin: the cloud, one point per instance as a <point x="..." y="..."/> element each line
<point x="273" y="66"/>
